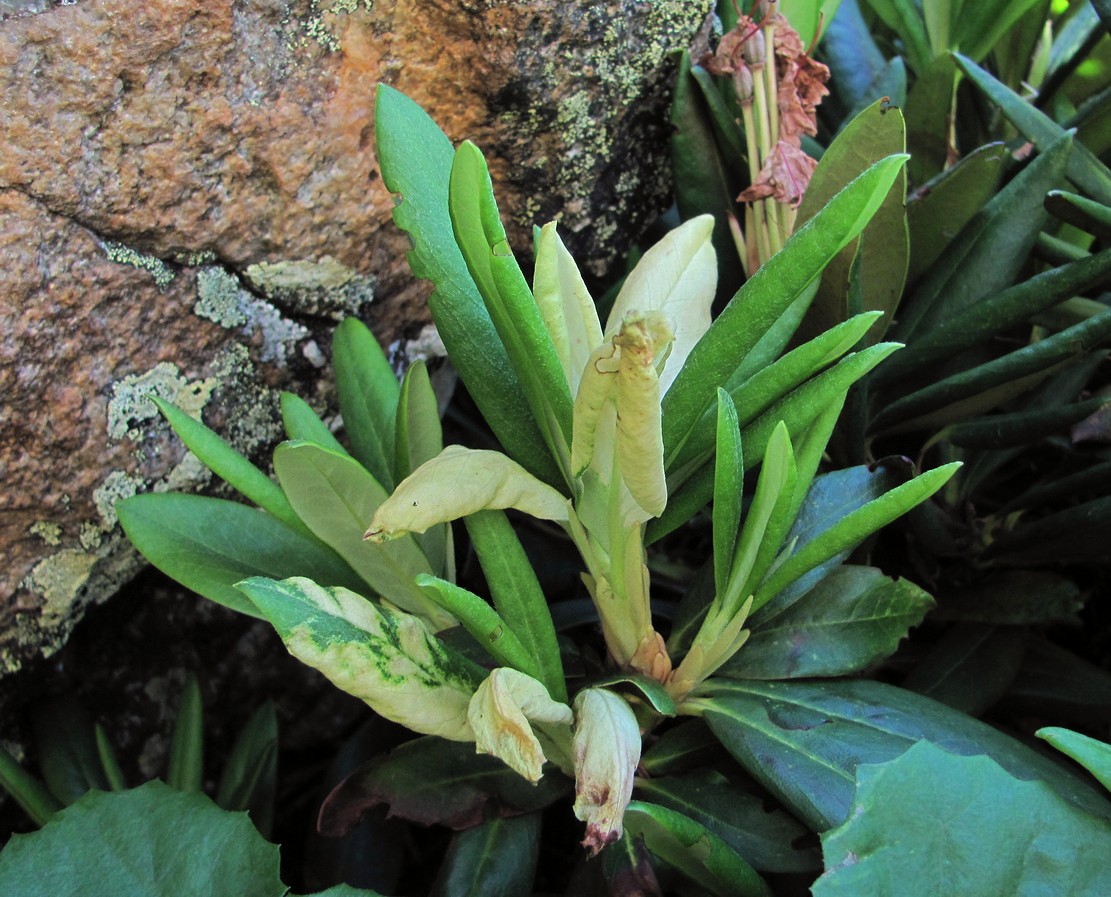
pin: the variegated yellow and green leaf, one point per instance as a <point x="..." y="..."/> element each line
<point x="385" y="657"/>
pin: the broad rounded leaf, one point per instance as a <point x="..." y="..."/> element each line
<point x="933" y="824"/>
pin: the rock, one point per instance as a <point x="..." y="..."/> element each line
<point x="189" y="200"/>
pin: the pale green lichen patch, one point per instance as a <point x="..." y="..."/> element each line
<point x="47" y="530"/>
<point x="90" y="535"/>
<point x="319" y="26"/>
<point x="131" y="403"/>
<point x="222" y="299"/>
<point x="323" y="287"/>
<point x="116" y="486"/>
<point x="58" y="579"/>
<point x="162" y="273"/>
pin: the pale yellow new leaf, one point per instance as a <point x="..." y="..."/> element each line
<point x="677" y="277"/>
<point x="565" y="305"/>
<point x="461" y="481"/>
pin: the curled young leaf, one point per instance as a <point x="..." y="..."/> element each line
<point x="606" y="750"/>
<point x="676" y="277"/>
<point x="458" y="482"/>
<point x="499" y="714"/>
<point x="387" y="658"/>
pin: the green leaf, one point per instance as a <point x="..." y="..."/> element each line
<point x="970" y="667"/>
<point x="650" y="690"/>
<point x="496" y="858"/>
<point x="368" y="394"/>
<point x="517" y="595"/>
<point x="706" y="177"/>
<point x="151" y="840"/>
<point x="627" y="869"/>
<point x="186" y="763"/>
<point x="1081" y="212"/>
<point x="1074" y="535"/>
<point x="1001" y="431"/>
<point x="990" y="250"/>
<point x="481" y="621"/>
<point x="1094" y="756"/>
<point x="994" y="315"/>
<point x="765" y="297"/>
<point x="980" y="25"/>
<point x="1001" y="835"/>
<point x="387" y="658"/>
<point x="754" y="395"/>
<point x="940" y="209"/>
<point x="112" y="771"/>
<point x="67" y="753"/>
<point x="852" y="619"/>
<point x="416" y="159"/>
<point x="906" y="21"/>
<point x="208" y="545"/>
<point x="728" y="489"/>
<point x="508" y="299"/>
<point x="699" y="854"/>
<point x="1013" y="598"/>
<point x="302" y="424"/>
<point x="229" y="465"/>
<point x="803" y="740"/>
<point x="435" y="782"/>
<point x="882" y="249"/>
<point x="855" y="62"/>
<point x="420" y="437"/>
<point x="809" y="17"/>
<point x="337" y="498"/>
<point x="1084" y="169"/>
<point x="852" y="530"/>
<point x="765" y="837"/>
<point x="949" y="400"/>
<point x="33" y="797"/>
<point x="250" y="777"/>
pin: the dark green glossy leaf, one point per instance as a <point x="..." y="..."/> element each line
<point x="905" y="19"/>
<point x="433" y="781"/>
<point x="302" y="424"/>
<point x="688" y="745"/>
<point x="208" y="545"/>
<point x="1054" y="680"/>
<point x="804" y="740"/>
<point x="229" y="465"/>
<point x="33" y="797"/>
<point x="250" y="777"/>
<point x="1103" y="9"/>
<point x="1074" y="535"/>
<point x="1000" y="431"/>
<point x="650" y="690"/>
<point x="1013" y="598"/>
<point x="946" y="401"/>
<point x="991" y="248"/>
<point x="970" y="667"/>
<point x="495" y="859"/>
<point x="1081" y="212"/>
<point x="940" y="209"/>
<point x="695" y="851"/>
<point x="185" y="770"/>
<point x="107" y="754"/>
<point x="852" y="619"/>
<point x="1084" y="169"/>
<point x="1093" y="479"/>
<point x="979" y="26"/>
<point x="517" y="595"/>
<point x="416" y="159"/>
<point x="1001" y="834"/>
<point x="764" y="837"/>
<point x="368" y="392"/>
<point x="67" y="753"/>
<point x="881" y="250"/>
<point x="766" y="295"/>
<point x="991" y="316"/>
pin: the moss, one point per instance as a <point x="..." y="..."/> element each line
<point x="124" y="255"/>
